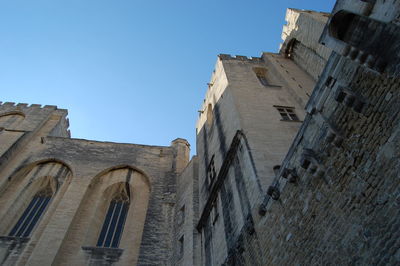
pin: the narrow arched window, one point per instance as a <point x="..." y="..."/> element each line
<point x="290" y="48"/>
<point x="114" y="221"/>
<point x="32" y="213"/>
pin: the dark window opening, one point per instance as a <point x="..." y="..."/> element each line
<point x="276" y="169"/>
<point x="340" y="25"/>
<point x="211" y="173"/>
<point x="330" y="82"/>
<point x="287" y="113"/>
<point x="289" y="51"/>
<point x="181" y="246"/>
<point x="114" y="221"/>
<point x="32" y="214"/>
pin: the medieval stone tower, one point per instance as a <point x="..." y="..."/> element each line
<point x="297" y="163"/>
<point x="251" y="113"/>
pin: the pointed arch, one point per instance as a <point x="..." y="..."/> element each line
<point x="114" y="220"/>
<point x="18" y="113"/>
<point x="23" y="169"/>
<point x="110" y="217"/>
<point x="28" y="199"/>
<point x="10" y="119"/>
<point x="46" y="178"/>
<point x="103" y="173"/>
<point x="34" y="211"/>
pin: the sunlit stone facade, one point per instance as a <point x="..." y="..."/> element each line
<point x="296" y="163"/>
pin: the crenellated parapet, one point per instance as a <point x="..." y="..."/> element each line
<point x="240" y="58"/>
<point x="29" y="117"/>
<point x="25" y="105"/>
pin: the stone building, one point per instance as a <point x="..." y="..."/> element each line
<point x="65" y="201"/>
<point x="297" y="163"/>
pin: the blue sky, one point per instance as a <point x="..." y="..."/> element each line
<point x="130" y="71"/>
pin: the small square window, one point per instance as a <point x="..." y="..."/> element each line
<point x="287" y="113"/>
<point x="330" y="82"/>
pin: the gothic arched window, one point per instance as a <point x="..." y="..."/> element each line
<point x="114" y="221"/>
<point x="32" y="213"/>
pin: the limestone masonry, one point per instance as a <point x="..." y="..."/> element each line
<point x="297" y="163"/>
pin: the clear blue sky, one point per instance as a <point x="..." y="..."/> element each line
<point x="127" y="70"/>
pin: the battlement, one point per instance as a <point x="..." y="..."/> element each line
<point x="33" y="113"/>
<point x="240" y="58"/>
<point x="25" y="105"/>
<point x="312" y="12"/>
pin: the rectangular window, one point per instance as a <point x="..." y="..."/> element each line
<point x="211" y="173"/>
<point x="287" y="113"/>
<point x="330" y="82"/>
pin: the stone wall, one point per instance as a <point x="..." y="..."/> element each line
<point x="347" y="200"/>
<point x="21" y="124"/>
<point x="339" y="183"/>
<point x="262" y="190"/>
<point x="186" y="237"/>
<point x="67" y="231"/>
<point x="335" y="197"/>
<point x="241" y="141"/>
<point x="300" y="38"/>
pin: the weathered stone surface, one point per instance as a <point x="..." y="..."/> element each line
<point x="33" y="137"/>
<point x="271" y="184"/>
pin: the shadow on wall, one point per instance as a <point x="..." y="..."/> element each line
<point x="27" y="201"/>
<point x="109" y="220"/>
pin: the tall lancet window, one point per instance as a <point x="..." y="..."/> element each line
<point x="114" y="221"/>
<point x="32" y="213"/>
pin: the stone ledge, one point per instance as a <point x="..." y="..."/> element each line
<point x="108" y="253"/>
<point x="14" y="239"/>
